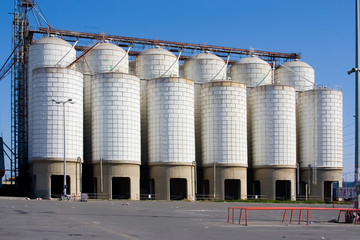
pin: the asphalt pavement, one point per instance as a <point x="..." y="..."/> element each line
<point x="33" y="219"/>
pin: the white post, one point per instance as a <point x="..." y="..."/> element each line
<point x="64" y="151"/>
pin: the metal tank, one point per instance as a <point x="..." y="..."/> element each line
<point x="104" y="57"/>
<point x="297" y="74"/>
<point x="273" y="125"/>
<point x="46" y="52"/>
<point x="156" y="63"/>
<point x="205" y="67"/>
<point x="224" y="139"/>
<point x="320" y="136"/>
<point x="149" y="64"/>
<point x="202" y="68"/>
<point x="181" y="70"/>
<point x="116" y="134"/>
<point x="171" y="138"/>
<point x="47" y="129"/>
<point x="252" y="71"/>
<point x="132" y="65"/>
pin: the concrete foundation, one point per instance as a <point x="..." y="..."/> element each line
<point x="162" y="175"/>
<point x="42" y="170"/>
<point x="111" y="170"/>
<point x="321" y="183"/>
<point x="220" y="185"/>
<point x="268" y="177"/>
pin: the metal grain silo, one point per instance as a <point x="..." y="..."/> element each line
<point x="156" y="63"/>
<point x="181" y="70"/>
<point x="202" y="68"/>
<point x="171" y="138"/>
<point x="46" y="52"/>
<point x="132" y="65"/>
<point x="320" y="136"/>
<point x="252" y="71"/>
<point x="104" y="57"/>
<point x="47" y="127"/>
<point x="224" y="139"/>
<point x="273" y="127"/>
<point x="297" y="74"/>
<point x="149" y="64"/>
<point x="205" y="67"/>
<point x="116" y="134"/>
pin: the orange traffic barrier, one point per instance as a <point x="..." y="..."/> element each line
<point x="232" y="212"/>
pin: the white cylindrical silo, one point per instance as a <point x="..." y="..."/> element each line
<point x="320" y="134"/>
<point x="155" y="63"/>
<point x="47" y="129"/>
<point x="171" y="137"/>
<point x="116" y="134"/>
<point x="149" y="64"/>
<point x="46" y="52"/>
<point x="224" y="138"/>
<point x="202" y="68"/>
<point x="297" y="74"/>
<point x="50" y="52"/>
<point x="104" y="57"/>
<point x="181" y="70"/>
<point x="132" y="65"/>
<point x="205" y="67"/>
<point x="252" y="71"/>
<point x="273" y="125"/>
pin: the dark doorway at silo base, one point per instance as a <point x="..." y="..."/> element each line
<point x="256" y="190"/>
<point x="120" y="188"/>
<point x="152" y="186"/>
<point x="57" y="185"/>
<point x="88" y="179"/>
<point x="206" y="187"/>
<point x="178" y="189"/>
<point x="250" y="182"/>
<point x="144" y="180"/>
<point x="330" y="191"/>
<point x="303" y="188"/>
<point x="232" y="189"/>
<point x="200" y="182"/>
<point x="283" y="189"/>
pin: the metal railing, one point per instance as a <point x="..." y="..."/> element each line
<point x="232" y="212"/>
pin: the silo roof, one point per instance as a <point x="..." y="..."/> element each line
<point x="156" y="51"/>
<point x="206" y="55"/>
<point x="252" y="59"/>
<point x="52" y="40"/>
<point x="296" y="64"/>
<point x="108" y="46"/>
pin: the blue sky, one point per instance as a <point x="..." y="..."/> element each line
<point x="322" y="31"/>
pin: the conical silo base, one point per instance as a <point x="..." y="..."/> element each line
<point x="275" y="183"/>
<point x="322" y="183"/>
<point x="117" y="180"/>
<point x="229" y="183"/>
<point x="172" y="181"/>
<point x="48" y="177"/>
